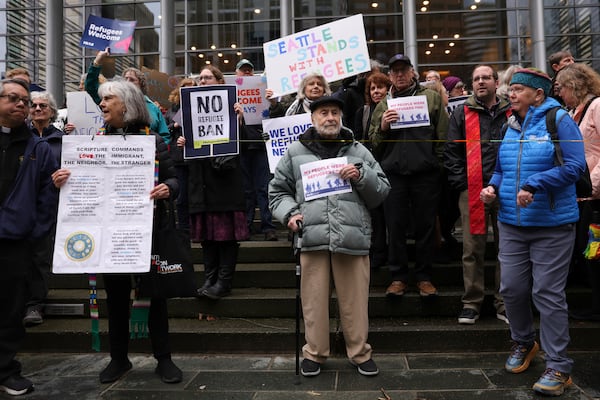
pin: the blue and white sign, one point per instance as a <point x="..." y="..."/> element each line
<point x="100" y="33"/>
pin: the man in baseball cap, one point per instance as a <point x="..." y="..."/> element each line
<point x="244" y="65"/>
<point x="409" y="157"/>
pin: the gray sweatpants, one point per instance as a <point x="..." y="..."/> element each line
<point x="535" y="264"/>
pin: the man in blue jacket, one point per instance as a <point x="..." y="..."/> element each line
<point x="27" y="207"/>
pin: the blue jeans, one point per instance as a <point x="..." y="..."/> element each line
<point x="255" y="169"/>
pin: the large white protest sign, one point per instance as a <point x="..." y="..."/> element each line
<point x="251" y="92"/>
<point x="336" y="50"/>
<point x="282" y="132"/>
<point x="412" y="111"/>
<point x="210" y="124"/>
<point x="83" y="113"/>
<point x="104" y="219"/>
<point x="322" y="178"/>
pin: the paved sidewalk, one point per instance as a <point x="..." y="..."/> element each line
<point x="448" y="376"/>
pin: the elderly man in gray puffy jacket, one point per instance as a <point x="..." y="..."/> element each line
<point x="336" y="233"/>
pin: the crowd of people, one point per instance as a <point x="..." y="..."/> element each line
<point x="469" y="163"/>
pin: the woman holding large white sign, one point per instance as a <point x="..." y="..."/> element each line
<point x="125" y="113"/>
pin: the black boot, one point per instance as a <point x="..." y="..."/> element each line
<point x="228" y="255"/>
<point x="211" y="265"/>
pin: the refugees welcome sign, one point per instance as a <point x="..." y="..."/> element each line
<point x="100" y="33"/>
<point x="336" y="50"/>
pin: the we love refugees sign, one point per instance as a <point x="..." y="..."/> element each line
<point x="336" y="50"/>
<point x="100" y="33"/>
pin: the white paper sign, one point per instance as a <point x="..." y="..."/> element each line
<point x="283" y="132"/>
<point x="83" y="113"/>
<point x="105" y="212"/>
<point x="322" y="178"/>
<point x="455" y="102"/>
<point x="210" y="112"/>
<point x="336" y="50"/>
<point x="412" y="111"/>
<point x="251" y="92"/>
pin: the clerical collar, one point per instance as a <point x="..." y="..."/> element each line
<point x="4" y="129"/>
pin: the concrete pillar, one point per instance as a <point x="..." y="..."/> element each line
<point x="167" y="37"/>
<point x="538" y="41"/>
<point x="54" y="51"/>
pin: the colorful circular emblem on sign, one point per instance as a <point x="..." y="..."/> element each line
<point x="79" y="246"/>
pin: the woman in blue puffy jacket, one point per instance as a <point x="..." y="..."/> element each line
<point x="536" y="222"/>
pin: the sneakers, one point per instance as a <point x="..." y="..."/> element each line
<point x="168" y="371"/>
<point x="114" y="370"/>
<point x="501" y="315"/>
<point x="426" y="289"/>
<point x="16" y="385"/>
<point x="396" y="288"/>
<point x="310" y="368"/>
<point x="367" y="368"/>
<point x="468" y="316"/>
<point x="33" y="317"/>
<point x="520" y="357"/>
<point x="552" y="382"/>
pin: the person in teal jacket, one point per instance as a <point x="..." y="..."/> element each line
<point x="536" y="221"/>
<point x="135" y="76"/>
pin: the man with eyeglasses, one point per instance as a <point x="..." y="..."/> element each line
<point x="27" y="204"/>
<point x="411" y="157"/>
<point x="474" y="134"/>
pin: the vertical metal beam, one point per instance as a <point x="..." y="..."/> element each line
<point x="538" y="41"/>
<point x="286" y="15"/>
<point x="55" y="50"/>
<point x="409" y="17"/>
<point x="167" y="37"/>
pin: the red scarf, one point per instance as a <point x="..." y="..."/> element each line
<point x="474" y="173"/>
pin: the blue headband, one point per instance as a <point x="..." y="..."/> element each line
<point x="534" y="79"/>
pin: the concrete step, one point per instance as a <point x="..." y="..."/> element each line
<point x="277" y="335"/>
<point x="280" y="303"/>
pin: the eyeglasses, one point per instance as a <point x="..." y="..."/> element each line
<point x="206" y="78"/>
<point x="482" y="78"/>
<point x="43" y="106"/>
<point x="13" y="98"/>
<point x="397" y="71"/>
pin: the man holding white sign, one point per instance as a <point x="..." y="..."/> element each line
<point x="408" y="130"/>
<point x="327" y="182"/>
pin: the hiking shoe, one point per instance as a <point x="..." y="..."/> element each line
<point x="168" y="371"/>
<point x="552" y="382"/>
<point x="426" y="289"/>
<point x="114" y="370"/>
<point x="501" y="315"/>
<point x="367" y="368"/>
<point x="468" y="316"/>
<point x="16" y="385"/>
<point x="33" y="317"/>
<point x="310" y="368"/>
<point x="520" y="357"/>
<point x="396" y="288"/>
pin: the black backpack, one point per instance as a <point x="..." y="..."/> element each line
<point x="583" y="186"/>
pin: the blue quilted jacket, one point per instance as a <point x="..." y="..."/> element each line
<point x="527" y="157"/>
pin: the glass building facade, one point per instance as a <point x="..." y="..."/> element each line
<point x="451" y="36"/>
